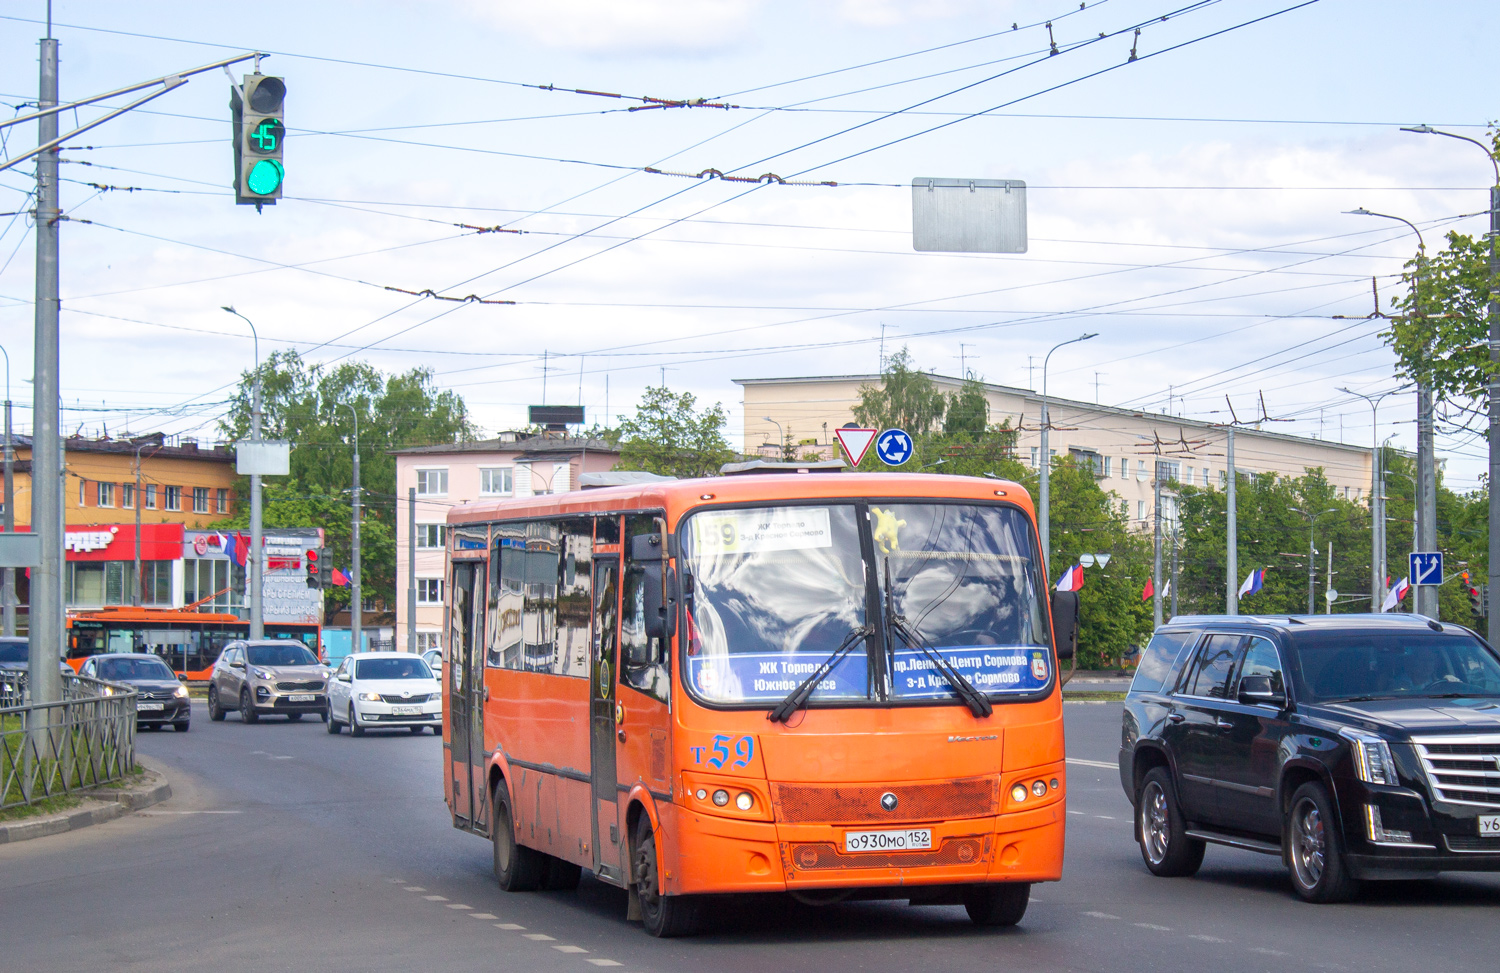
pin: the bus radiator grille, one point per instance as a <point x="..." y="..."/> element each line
<point x="971" y="797"/>
<point x="817" y="856"/>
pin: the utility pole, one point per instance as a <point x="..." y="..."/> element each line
<point x="1232" y="594"/>
<point x="1045" y="492"/>
<point x="1156" y="551"/>
<point x="1176" y="544"/>
<point x="411" y="569"/>
<point x="1312" y="560"/>
<point x="8" y="585"/>
<point x="356" y="603"/>
<point x="45" y="625"/>
<point x="136" y="503"/>
<point x="1377" y="503"/>
<point x="255" y="563"/>
<point x="1328" y="582"/>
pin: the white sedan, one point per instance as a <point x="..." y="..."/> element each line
<point x="380" y="690"/>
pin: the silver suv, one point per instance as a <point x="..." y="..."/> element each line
<point x="270" y="677"/>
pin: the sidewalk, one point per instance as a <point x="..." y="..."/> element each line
<point x="97" y="806"/>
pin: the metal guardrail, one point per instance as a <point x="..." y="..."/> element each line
<point x="53" y="749"/>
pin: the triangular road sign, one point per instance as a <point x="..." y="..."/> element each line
<point x="856" y="442"/>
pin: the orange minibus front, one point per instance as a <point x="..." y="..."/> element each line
<point x="833" y="685"/>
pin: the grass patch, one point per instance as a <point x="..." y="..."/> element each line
<point x="51" y="805"/>
<point x="1097" y="696"/>
<point x="77" y="770"/>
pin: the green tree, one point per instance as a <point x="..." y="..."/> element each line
<point x="668" y="436"/>
<point x="906" y="398"/>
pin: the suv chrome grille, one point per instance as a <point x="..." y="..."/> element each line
<point x="293" y="686"/>
<point x="1462" y="769"/>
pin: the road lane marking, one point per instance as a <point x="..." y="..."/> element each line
<point x="1267" y="952"/>
<point x="1101" y="915"/>
<point x="602" y="962"/>
<point x="162" y="814"/>
<point x="540" y="937"/>
<point x="1104" y="816"/>
<point x="1206" y="939"/>
<point x="435" y="898"/>
<point x="1149" y="925"/>
<point x="415" y="888"/>
<point x="1093" y="763"/>
<point x="508" y="925"/>
<point x="1079" y="813"/>
<point x="570" y="949"/>
<point x="482" y="915"/>
<point x="458" y="905"/>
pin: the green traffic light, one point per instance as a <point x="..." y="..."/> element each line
<point x="265" y="177"/>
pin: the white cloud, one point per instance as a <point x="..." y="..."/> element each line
<point x="885" y="13"/>
<point x="625" y="26"/>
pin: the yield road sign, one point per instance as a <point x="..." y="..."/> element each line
<point x="1426" y="567"/>
<point x="894" y="447"/>
<point x="856" y="442"/>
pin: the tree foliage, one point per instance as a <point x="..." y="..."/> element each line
<point x="668" y="436"/>
<point x="906" y="398"/>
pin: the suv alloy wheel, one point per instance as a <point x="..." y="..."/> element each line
<point x="1161" y="831"/>
<point x="1319" y="873"/>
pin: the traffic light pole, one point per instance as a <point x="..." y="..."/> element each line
<point x="356" y="601"/>
<point x="411" y="569"/>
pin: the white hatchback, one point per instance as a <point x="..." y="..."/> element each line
<point x="384" y="690"/>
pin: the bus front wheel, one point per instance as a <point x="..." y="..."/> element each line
<point x="664" y="916"/>
<point x="997" y="905"/>
<point x="517" y="868"/>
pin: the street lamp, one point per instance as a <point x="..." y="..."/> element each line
<point x="1494" y="346"/>
<point x="157" y="440"/>
<point x="1046" y="457"/>
<point x="356" y="602"/>
<point x="1312" y="550"/>
<point x="257" y="626"/>
<point x="780" y="436"/>
<point x="1425" y="597"/>
<point x="1377" y="502"/>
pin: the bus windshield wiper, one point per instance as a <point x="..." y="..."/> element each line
<point x="798" y="697"/>
<point x="977" y="702"/>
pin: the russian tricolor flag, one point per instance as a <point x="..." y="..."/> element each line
<point x="1253" y="582"/>
<point x="1072" y="579"/>
<point x="1394" y="596"/>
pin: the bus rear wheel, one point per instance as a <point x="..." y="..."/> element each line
<point x="517" y="868"/>
<point x="664" y="916"/>
<point x="997" y="905"/>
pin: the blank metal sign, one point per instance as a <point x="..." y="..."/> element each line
<point x="968" y="215"/>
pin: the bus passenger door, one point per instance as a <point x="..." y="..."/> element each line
<point x="605" y="826"/>
<point x="465" y="692"/>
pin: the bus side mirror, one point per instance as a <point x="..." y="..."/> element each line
<point x="661" y="608"/>
<point x="1065" y="622"/>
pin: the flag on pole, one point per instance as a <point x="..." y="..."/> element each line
<point x="340" y="578"/>
<point x="1253" y="582"/>
<point x="1148" y="591"/>
<point x="1394" y="596"/>
<point x="227" y="542"/>
<point x="1072" y="579"/>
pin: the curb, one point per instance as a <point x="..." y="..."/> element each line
<point x="98" y="807"/>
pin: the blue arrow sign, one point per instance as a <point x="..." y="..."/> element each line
<point x="893" y="447"/>
<point x="1427" y="567"/>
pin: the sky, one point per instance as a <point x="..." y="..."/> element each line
<point x="1187" y="206"/>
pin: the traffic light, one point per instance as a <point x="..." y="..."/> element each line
<point x="325" y="574"/>
<point x="1477" y="600"/>
<point x="314" y="574"/>
<point x="256" y="107"/>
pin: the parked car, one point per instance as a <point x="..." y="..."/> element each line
<point x="15" y="655"/>
<point x="384" y="690"/>
<point x="161" y="699"/>
<point x="269" y="677"/>
<point x="1355" y="747"/>
<point x="434" y="660"/>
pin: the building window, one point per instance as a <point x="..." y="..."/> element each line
<point x="173" y="497"/>
<point x="1205" y="478"/>
<point x="429" y="640"/>
<point x="496" y="481"/>
<point x="83" y="497"/>
<point x="1089" y="459"/>
<point x="431" y="536"/>
<point x="200" y="500"/>
<point x="150" y="503"/>
<point x="105" y="492"/>
<point x="1140" y="470"/>
<point x="222" y="500"/>
<point x="127" y="495"/>
<point x="429" y="591"/>
<point x="1035" y="452"/>
<point x="1140" y="510"/>
<point x="1124" y="467"/>
<point x="1109" y="465"/>
<point x="432" y="483"/>
<point x="156" y="582"/>
<point x="369" y="604"/>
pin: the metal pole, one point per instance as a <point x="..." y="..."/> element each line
<point x="46" y="621"/>
<point x="1377" y="502"/>
<point x="1044" y="494"/>
<point x="137" y="504"/>
<point x="1156" y="551"/>
<point x="1426" y="595"/>
<point x="8" y="586"/>
<point x="255" y="562"/>
<point x="1328" y="582"/>
<point x="1494" y="393"/>
<point x="1312" y="553"/>
<point x="1176" y="539"/>
<point x="356" y="604"/>
<point x="411" y="569"/>
<point x="1232" y="595"/>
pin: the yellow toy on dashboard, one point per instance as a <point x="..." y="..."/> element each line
<point x="887" y="529"/>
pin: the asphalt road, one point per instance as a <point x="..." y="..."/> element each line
<point x="286" y="849"/>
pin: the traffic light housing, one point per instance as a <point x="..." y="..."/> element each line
<point x="314" y="571"/>
<point x="325" y="574"/>
<point x="259" y="136"/>
<point x="1477" y="600"/>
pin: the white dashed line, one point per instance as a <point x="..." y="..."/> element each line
<point x="435" y="898"/>
<point x="540" y="937"/>
<point x="1101" y="915"/>
<point x="1207" y="939"/>
<point x="602" y="962"/>
<point x="1093" y="763"/>
<point x="1104" y="817"/>
<point x="1079" y="813"/>
<point x="415" y="888"/>
<point x="1266" y="952"/>
<point x="1149" y="925"/>
<point x="508" y="925"/>
<point x="482" y="915"/>
<point x="459" y="905"/>
<point x="570" y="949"/>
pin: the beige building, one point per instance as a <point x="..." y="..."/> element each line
<point x="1122" y="444"/>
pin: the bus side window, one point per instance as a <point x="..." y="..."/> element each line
<point x="575" y="598"/>
<point x="507" y="597"/>
<point x="643" y="660"/>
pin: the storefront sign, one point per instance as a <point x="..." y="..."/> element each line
<point x="116" y="542"/>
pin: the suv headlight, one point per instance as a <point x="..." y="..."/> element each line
<point x="1372" y="756"/>
<point x="263" y="674"/>
<point x="370" y="697"/>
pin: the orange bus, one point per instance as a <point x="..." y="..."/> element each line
<point x="836" y="685"/>
<point x="187" y="640"/>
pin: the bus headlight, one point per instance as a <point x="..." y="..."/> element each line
<point x="1018" y="793"/>
<point x="721" y="797"/>
<point x="744" y="801"/>
<point x="1039" y="788"/>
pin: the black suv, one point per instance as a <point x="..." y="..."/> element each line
<point x="1352" y="746"/>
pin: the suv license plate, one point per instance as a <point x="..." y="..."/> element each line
<point x="158" y="707"/>
<point x="301" y="698"/>
<point x="406" y="711"/>
<point x="912" y="839"/>
<point x="1489" y="826"/>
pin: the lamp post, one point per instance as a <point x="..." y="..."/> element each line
<point x="1045" y="492"/>
<point x="356" y="602"/>
<point x="8" y="586"/>
<point x="780" y="435"/>
<point x="155" y="440"/>
<point x="1491" y="388"/>
<point x="1424" y="596"/>
<point x="257" y="626"/>
<point x="1312" y="526"/>
<point x="1377" y="502"/>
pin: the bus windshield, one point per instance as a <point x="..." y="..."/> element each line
<point x="774" y="591"/>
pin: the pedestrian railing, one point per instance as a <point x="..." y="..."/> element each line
<point x="54" y="749"/>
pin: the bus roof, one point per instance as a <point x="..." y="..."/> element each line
<point x="677" y="495"/>
<point x="131" y="613"/>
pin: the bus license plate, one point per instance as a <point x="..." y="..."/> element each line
<point x="150" y="707"/>
<point x="301" y="698"/>
<point x="1489" y="826"/>
<point x="912" y="839"/>
<point x="406" y="711"/>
